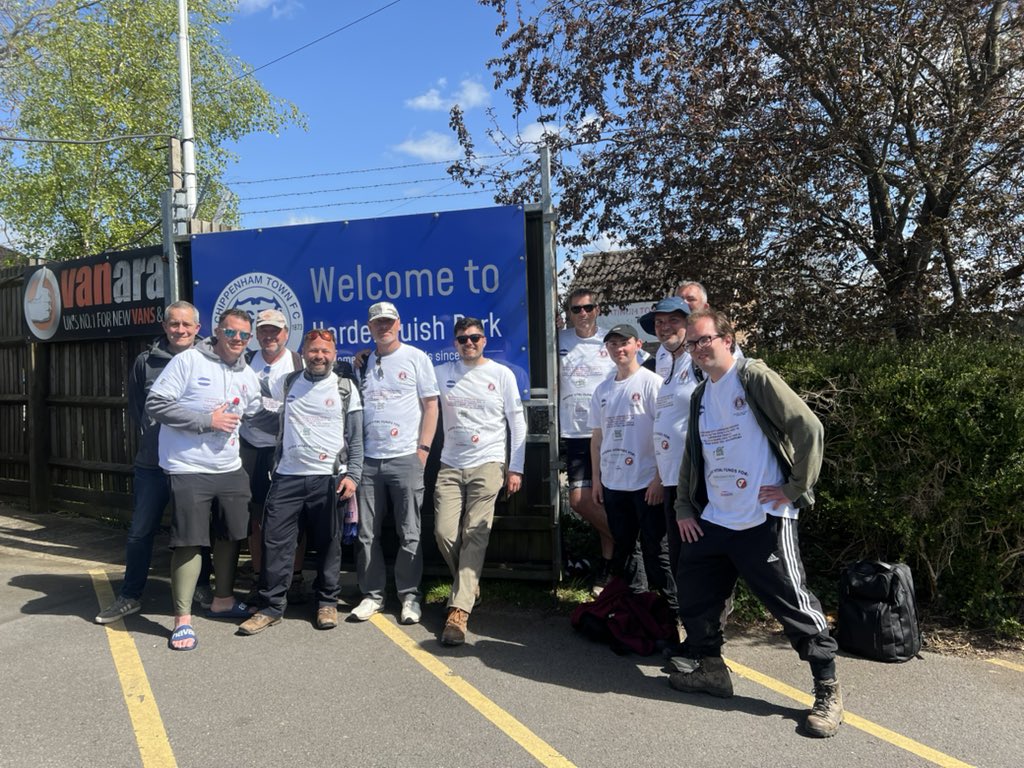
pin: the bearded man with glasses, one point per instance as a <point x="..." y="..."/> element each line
<point x="753" y="454"/>
<point x="199" y="401"/>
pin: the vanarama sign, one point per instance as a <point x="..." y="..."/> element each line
<point x="99" y="297"/>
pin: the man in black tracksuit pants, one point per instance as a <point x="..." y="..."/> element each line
<point x="753" y="453"/>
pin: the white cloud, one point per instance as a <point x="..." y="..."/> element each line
<point x="534" y="132"/>
<point x="430" y="147"/>
<point x="294" y="219"/>
<point x="469" y="95"/>
<point x="278" y="8"/>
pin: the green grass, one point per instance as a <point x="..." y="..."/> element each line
<point x="509" y="593"/>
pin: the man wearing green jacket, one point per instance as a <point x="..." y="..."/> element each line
<point x="753" y="453"/>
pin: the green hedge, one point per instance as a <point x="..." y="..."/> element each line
<point x="925" y="464"/>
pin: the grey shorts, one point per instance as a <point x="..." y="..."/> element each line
<point x="192" y="507"/>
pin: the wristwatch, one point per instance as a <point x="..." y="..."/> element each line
<point x="423" y="447"/>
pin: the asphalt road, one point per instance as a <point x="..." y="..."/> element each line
<point x="525" y="691"/>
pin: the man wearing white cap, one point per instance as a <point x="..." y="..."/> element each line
<point x="271" y="363"/>
<point x="399" y="419"/>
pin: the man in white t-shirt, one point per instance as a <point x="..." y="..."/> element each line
<point x="399" y="420"/>
<point x="319" y="462"/>
<point x="753" y="454"/>
<point x="479" y="398"/>
<point x="583" y="364"/>
<point x="271" y="362"/>
<point x="199" y="401"/>
<point x="674" y="367"/>
<point x="625" y="471"/>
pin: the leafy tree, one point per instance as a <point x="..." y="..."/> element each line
<point x="826" y="166"/>
<point x="88" y="70"/>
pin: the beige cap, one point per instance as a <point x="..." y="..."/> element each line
<point x="271" y="317"/>
<point x="383" y="309"/>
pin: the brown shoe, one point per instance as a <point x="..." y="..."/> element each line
<point x="257" y="623"/>
<point x="455" y="628"/>
<point x="327" y="617"/>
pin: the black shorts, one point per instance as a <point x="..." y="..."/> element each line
<point x="258" y="463"/>
<point x="577" y="462"/>
<point x="192" y="505"/>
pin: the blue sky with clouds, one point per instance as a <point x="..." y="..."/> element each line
<point x="375" y="95"/>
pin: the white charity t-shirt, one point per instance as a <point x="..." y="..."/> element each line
<point x="624" y="412"/>
<point x="738" y="459"/>
<point x="269" y="374"/>
<point x="314" y="426"/>
<point x="672" y="414"/>
<point x="583" y="364"/>
<point x="201" y="384"/>
<point x="476" y="404"/>
<point x="391" y="401"/>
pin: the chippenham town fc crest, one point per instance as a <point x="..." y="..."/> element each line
<point x="256" y="291"/>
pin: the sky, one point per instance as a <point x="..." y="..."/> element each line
<point x="375" y="96"/>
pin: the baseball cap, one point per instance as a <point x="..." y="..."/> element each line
<point x="669" y="305"/>
<point x="271" y="317"/>
<point x="383" y="309"/>
<point x="625" y="330"/>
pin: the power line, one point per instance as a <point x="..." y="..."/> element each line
<point x="311" y="43"/>
<point x="346" y="189"/>
<point x="107" y="140"/>
<point x="239" y="182"/>
<point x="366" y="202"/>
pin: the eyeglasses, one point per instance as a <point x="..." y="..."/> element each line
<point x="474" y="337"/>
<point x="319" y="333"/>
<point x="230" y="333"/>
<point x="582" y="308"/>
<point x="702" y="343"/>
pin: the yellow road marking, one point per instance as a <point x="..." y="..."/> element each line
<point x="1007" y="664"/>
<point x="914" y="747"/>
<point x="543" y="752"/>
<point x="154" y="747"/>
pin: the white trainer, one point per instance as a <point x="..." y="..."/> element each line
<point x="411" y="611"/>
<point x="367" y="608"/>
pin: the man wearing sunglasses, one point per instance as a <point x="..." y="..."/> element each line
<point x="199" y="401"/>
<point x="753" y="454"/>
<point x="583" y="364"/>
<point x="319" y="462"/>
<point x="399" y="418"/>
<point x="271" y="363"/>
<point x="479" y="399"/>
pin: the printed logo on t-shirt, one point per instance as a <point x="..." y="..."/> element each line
<point x="402" y="375"/>
<point x="684" y="376"/>
<point x="629" y="461"/>
<point x="664" y="445"/>
<point x="450" y="383"/>
<point x="741" y="482"/>
<point x="329" y="402"/>
<point x="739" y="403"/>
<point x="394" y="431"/>
<point x="603" y="353"/>
<point x="475" y="439"/>
<point x="323" y="456"/>
<point x="491" y="386"/>
<point x="563" y="352"/>
<point x="635" y="397"/>
<point x="202" y="381"/>
<point x="719" y="452"/>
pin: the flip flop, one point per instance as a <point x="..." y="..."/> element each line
<point x="184" y="632"/>
<point x="237" y="611"/>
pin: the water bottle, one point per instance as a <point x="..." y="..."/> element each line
<point x="235" y="407"/>
<point x="350" y="526"/>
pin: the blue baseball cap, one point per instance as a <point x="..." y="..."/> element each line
<point x="671" y="304"/>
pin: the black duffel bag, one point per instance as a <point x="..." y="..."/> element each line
<point x="878" y="611"/>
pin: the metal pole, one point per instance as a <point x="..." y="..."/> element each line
<point x="188" y="148"/>
<point x="172" y="290"/>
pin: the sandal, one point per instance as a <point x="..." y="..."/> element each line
<point x="184" y="632"/>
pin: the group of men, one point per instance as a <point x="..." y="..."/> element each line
<point x="692" y="468"/>
<point x="276" y="446"/>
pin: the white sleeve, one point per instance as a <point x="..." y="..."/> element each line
<point x="516" y="418"/>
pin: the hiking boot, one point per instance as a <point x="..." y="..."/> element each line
<point x="827" y="711"/>
<point x="411" y="611"/>
<point x="297" y="590"/>
<point x="327" y="617"/>
<point x="602" y="575"/>
<point x="367" y="608"/>
<point x="123" y="606"/>
<point x="257" y="623"/>
<point x="204" y="596"/>
<point x="712" y="676"/>
<point x="455" y="628"/>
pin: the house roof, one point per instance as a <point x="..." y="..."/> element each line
<point x="622" y="277"/>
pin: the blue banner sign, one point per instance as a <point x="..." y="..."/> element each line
<point x="434" y="268"/>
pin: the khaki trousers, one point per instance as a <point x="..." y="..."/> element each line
<point x="464" y="509"/>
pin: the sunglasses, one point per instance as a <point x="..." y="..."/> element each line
<point x="474" y="337"/>
<point x="319" y="333"/>
<point x="230" y="333"/>
<point x="583" y="308"/>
